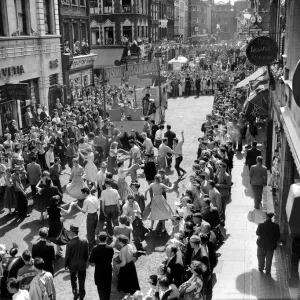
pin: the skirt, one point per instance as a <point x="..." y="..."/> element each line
<point x="58" y="235"/>
<point x="127" y="280"/>
<point x="123" y="189"/>
<point x="41" y="203"/>
<point x="160" y="209"/>
<point x="9" y="200"/>
<point x="112" y="164"/>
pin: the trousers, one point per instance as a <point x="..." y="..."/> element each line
<point x="91" y="225"/>
<point x="112" y="214"/>
<point x="265" y="258"/>
<point x="257" y="193"/>
<point x="178" y="161"/>
<point x="81" y="275"/>
<point x="104" y="291"/>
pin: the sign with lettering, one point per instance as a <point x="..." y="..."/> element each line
<point x="262" y="51"/>
<point x="53" y="64"/>
<point x="136" y="69"/>
<point x="18" y="91"/>
<point x="9" y="71"/>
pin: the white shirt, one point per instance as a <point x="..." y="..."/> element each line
<point x="90" y="204"/>
<point x="49" y="157"/>
<point x="21" y="295"/>
<point x="178" y="149"/>
<point x="110" y="196"/>
<point x="159" y="135"/>
<point x="101" y="176"/>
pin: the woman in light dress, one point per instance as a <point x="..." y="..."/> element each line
<point x="77" y="183"/>
<point x="123" y="188"/>
<point x="180" y="89"/>
<point x="90" y="168"/>
<point x="112" y="158"/>
<point x="160" y="209"/>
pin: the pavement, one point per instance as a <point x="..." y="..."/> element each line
<point x="236" y="274"/>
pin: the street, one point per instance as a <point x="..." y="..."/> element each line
<point x="186" y="114"/>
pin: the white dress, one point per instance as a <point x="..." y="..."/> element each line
<point x="90" y="168"/>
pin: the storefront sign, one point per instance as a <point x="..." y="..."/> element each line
<point x="19" y="91"/>
<point x="53" y="64"/>
<point x="136" y="69"/>
<point x="11" y="71"/>
<point x="262" y="51"/>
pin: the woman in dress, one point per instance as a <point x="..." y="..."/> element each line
<point x="9" y="200"/>
<point x="193" y="290"/>
<point x="160" y="209"/>
<point x="112" y="158"/>
<point x="127" y="280"/>
<point x="123" y="188"/>
<point x="55" y="223"/>
<point x="82" y="147"/>
<point x="40" y="202"/>
<point x="90" y="168"/>
<point x="77" y="183"/>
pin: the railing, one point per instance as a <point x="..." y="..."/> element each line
<point x="29" y="50"/>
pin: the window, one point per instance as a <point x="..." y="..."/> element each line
<point x="47" y="16"/>
<point x="126" y="6"/>
<point x="109" y="36"/>
<point x="74" y="2"/>
<point x="107" y="6"/>
<point x="83" y="2"/>
<point x="95" y="37"/>
<point x="2" y="22"/>
<point x="22" y="16"/>
<point x="202" y="21"/>
<point x="202" y="9"/>
<point x="53" y="79"/>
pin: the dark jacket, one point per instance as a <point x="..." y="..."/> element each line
<point x="102" y="256"/>
<point x="170" y="135"/>
<point x="211" y="215"/>
<point x="150" y="170"/>
<point x="46" y="251"/>
<point x="48" y="192"/>
<point x="251" y="156"/>
<point x="230" y="154"/>
<point x="268" y="235"/>
<point x="77" y="254"/>
<point x="175" y="276"/>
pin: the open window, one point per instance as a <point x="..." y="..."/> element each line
<point x="107" y="6"/>
<point x="109" y="36"/>
<point x="126" y="6"/>
<point x="23" y="17"/>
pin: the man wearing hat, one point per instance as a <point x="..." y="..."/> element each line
<point x="252" y="154"/>
<point x="77" y="254"/>
<point x="268" y="236"/>
<point x="102" y="256"/>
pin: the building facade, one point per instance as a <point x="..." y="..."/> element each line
<point x="224" y="20"/>
<point x="200" y="20"/>
<point x="242" y="16"/>
<point x="284" y="121"/>
<point x="179" y="18"/>
<point x="30" y="56"/>
<point x="77" y="62"/>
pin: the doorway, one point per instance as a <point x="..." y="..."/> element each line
<point x="127" y="32"/>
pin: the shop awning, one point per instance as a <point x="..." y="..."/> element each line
<point x="292" y="133"/>
<point x="107" y="57"/>
<point x="257" y="103"/>
<point x="258" y="73"/>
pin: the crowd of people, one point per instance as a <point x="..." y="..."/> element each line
<point x="95" y="151"/>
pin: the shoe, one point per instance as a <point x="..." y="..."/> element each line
<point x="261" y="270"/>
<point x="76" y="296"/>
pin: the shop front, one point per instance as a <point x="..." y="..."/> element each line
<point x="78" y="76"/>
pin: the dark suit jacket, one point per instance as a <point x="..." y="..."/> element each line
<point x="77" y="254"/>
<point x="43" y="116"/>
<point x="251" y="156"/>
<point x="102" y="256"/>
<point x="46" y="251"/>
<point x="175" y="276"/>
<point x="34" y="173"/>
<point x="211" y="216"/>
<point x="230" y="154"/>
<point x="59" y="147"/>
<point x="268" y="235"/>
<point x="48" y="192"/>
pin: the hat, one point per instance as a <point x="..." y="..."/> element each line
<point x="74" y="228"/>
<point x="102" y="234"/>
<point x="270" y="214"/>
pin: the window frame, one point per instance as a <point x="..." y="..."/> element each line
<point x="82" y="5"/>
<point x="111" y="7"/>
<point x="72" y="4"/>
<point x="4" y="19"/>
<point x="51" y="16"/>
<point x="27" y="17"/>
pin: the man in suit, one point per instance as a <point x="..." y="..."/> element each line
<point x="29" y="119"/>
<point x="170" y="135"/>
<point x="77" y="254"/>
<point x="45" y="250"/>
<point x="60" y="150"/>
<point x="210" y="214"/>
<point x="258" y="179"/>
<point x="230" y="155"/>
<point x="44" y="114"/>
<point x="252" y="155"/>
<point x="102" y="256"/>
<point x="34" y="174"/>
<point x="173" y="267"/>
<point x="268" y="236"/>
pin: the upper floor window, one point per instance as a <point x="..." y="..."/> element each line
<point x="107" y="6"/>
<point x="74" y="2"/>
<point x="82" y="2"/>
<point x="65" y="2"/>
<point x="22" y="16"/>
<point x="126" y="6"/>
<point x="2" y="23"/>
<point x="47" y="16"/>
